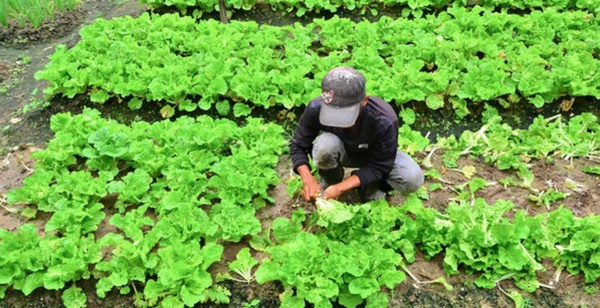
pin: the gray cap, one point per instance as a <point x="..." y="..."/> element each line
<point x="343" y="91"/>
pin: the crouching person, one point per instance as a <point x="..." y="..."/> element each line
<point x="345" y="127"/>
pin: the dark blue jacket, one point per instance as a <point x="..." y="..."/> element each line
<point x="372" y="144"/>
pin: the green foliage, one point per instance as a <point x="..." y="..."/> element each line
<point x="477" y="237"/>
<point x="410" y="141"/>
<point x="34" y="12"/>
<point x="243" y="265"/>
<point x="548" y="197"/>
<point x="408" y="116"/>
<point x="175" y="184"/>
<point x="234" y="221"/>
<point x="254" y="303"/>
<point x="321" y="269"/>
<point x="591" y="290"/>
<point x="294" y="187"/>
<point x="508" y="148"/>
<point x="578" y="250"/>
<point x="183" y="188"/>
<point x="348" y="262"/>
<point x="333" y="211"/>
<point x="182" y="275"/>
<point x="415" y="8"/>
<point x="459" y="56"/>
<point x="50" y="261"/>
<point x="74" y="297"/>
<point x="592" y="170"/>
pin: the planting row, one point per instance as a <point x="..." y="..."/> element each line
<point x="32" y="11"/>
<point x="508" y="148"/>
<point x="178" y="191"/>
<point x="450" y="60"/>
<point x="498" y="144"/>
<point x="364" y="248"/>
<point x="194" y="184"/>
<point x="408" y="6"/>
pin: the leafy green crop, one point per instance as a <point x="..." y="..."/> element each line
<point x="592" y="169"/>
<point x="182" y="276"/>
<point x="417" y="8"/>
<point x="331" y="265"/>
<point x="178" y="191"/>
<point x="34" y="12"/>
<point x="321" y="270"/>
<point x="31" y="261"/>
<point x="74" y="297"/>
<point x="178" y="188"/>
<point x="242" y="267"/>
<point x="447" y="61"/>
<point x="509" y="148"/>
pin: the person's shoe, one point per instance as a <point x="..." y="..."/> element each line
<point x="375" y="195"/>
<point x="371" y="192"/>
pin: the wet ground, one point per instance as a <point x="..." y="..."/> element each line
<point x="25" y="51"/>
<point x="34" y="46"/>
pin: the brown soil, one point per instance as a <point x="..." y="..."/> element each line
<point x="5" y="69"/>
<point x="30" y="131"/>
<point x="38" y="44"/>
<point x="10" y="74"/>
<point x="569" y="292"/>
<point x="17" y="37"/>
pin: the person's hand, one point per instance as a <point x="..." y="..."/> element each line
<point x="311" y="189"/>
<point x="332" y="192"/>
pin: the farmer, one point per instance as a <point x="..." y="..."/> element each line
<point x="345" y="127"/>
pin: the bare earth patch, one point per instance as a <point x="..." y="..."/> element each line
<point x="19" y="37"/>
<point x="14" y="167"/>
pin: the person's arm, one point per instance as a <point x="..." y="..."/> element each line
<point x="335" y="191"/>
<point x="311" y="188"/>
<point x="300" y="145"/>
<point x="307" y="130"/>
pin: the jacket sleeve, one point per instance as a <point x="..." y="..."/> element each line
<point x="302" y="143"/>
<point x="381" y="157"/>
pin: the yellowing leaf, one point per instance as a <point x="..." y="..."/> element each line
<point x="167" y="111"/>
<point x="468" y="171"/>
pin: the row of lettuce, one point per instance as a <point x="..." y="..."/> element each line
<point x="365" y="249"/>
<point x="201" y="179"/>
<point x="451" y="60"/>
<point x="407" y="6"/>
<point x="506" y="148"/>
<point x="36" y="12"/>
<point x="178" y="191"/>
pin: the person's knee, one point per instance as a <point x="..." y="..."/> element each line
<point x="414" y="179"/>
<point x="407" y="177"/>
<point x="327" y="151"/>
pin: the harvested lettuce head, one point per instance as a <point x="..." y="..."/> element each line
<point x="333" y="211"/>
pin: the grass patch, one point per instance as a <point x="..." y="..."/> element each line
<point x="34" y="12"/>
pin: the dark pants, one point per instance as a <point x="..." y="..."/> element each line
<point x="329" y="156"/>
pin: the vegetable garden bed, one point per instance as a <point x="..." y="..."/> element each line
<point x="97" y="171"/>
<point x="197" y="211"/>
<point x="449" y="61"/>
<point x="406" y="7"/>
